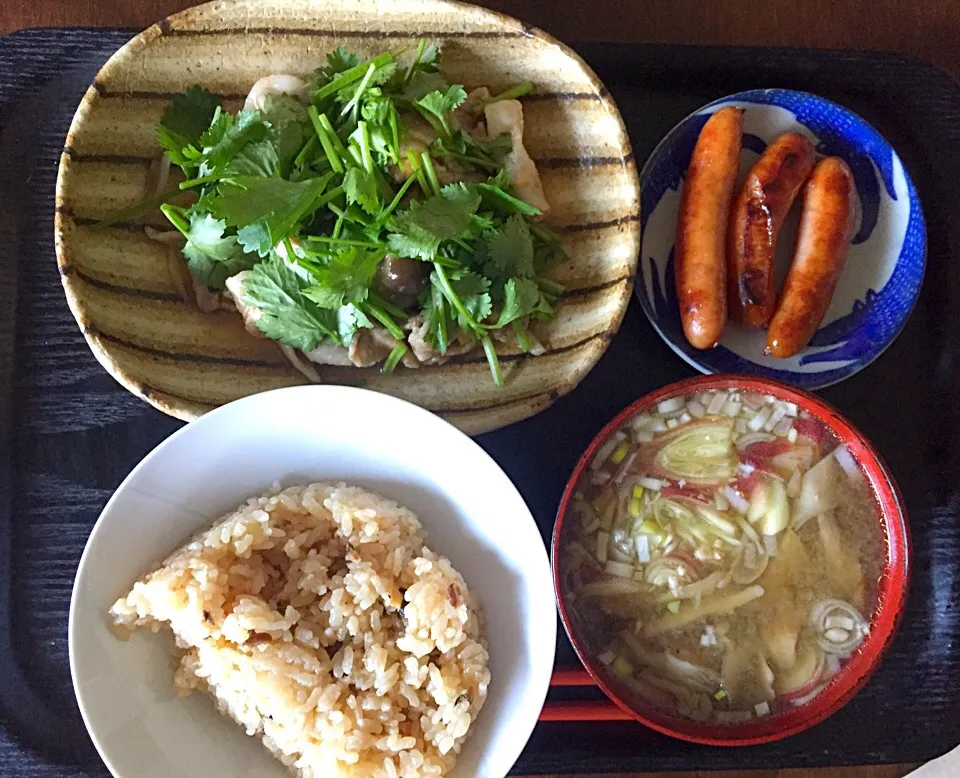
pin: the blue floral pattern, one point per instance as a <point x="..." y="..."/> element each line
<point x="848" y="343"/>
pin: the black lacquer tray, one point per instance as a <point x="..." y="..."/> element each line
<point x="69" y="433"/>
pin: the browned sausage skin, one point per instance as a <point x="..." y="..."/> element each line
<point x="699" y="256"/>
<point x="755" y="221"/>
<point x="828" y="222"/>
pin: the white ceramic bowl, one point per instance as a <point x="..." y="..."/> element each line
<point x="472" y="513"/>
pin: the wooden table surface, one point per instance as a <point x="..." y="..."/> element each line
<point x="930" y="29"/>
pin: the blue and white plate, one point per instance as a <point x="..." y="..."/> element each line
<point x="884" y="268"/>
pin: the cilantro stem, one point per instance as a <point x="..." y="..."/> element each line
<point x="192" y="182"/>
<point x="454" y="299"/>
<point x="521" y="89"/>
<point x="516" y="204"/>
<point x="333" y="194"/>
<point x="371" y="309"/>
<point x="418" y="172"/>
<point x="342" y="241"/>
<point x="550" y="287"/>
<point x="421" y="44"/>
<point x="544" y="233"/>
<point x="393" y="310"/>
<point x="338" y="226"/>
<point x="396" y="200"/>
<point x="476" y="161"/>
<point x="137" y="208"/>
<point x="332" y="133"/>
<point x="328" y="147"/>
<point x="395" y="356"/>
<point x="347" y="77"/>
<point x="430" y="172"/>
<point x="440" y="306"/>
<point x="176" y="218"/>
<point x="395" y="135"/>
<point x="364" y="83"/>
<point x="523" y="340"/>
<point x="365" y="154"/>
<point x="306" y="151"/>
<point x="491" y="352"/>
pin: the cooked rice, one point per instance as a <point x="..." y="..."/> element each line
<point x="318" y="619"/>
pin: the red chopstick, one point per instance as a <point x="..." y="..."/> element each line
<point x="594" y="710"/>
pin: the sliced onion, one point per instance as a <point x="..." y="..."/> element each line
<point x="783" y="427"/>
<point x="599" y="477"/>
<point x="778" y="413"/>
<point x="737" y="500"/>
<point x="670" y="406"/>
<point x="696" y="409"/>
<point x="731" y="408"/>
<point x="798" y="701"/>
<point x="650" y="483"/>
<point x="770" y="544"/>
<point x="835" y="640"/>
<point x="753" y="400"/>
<point x="619" y="569"/>
<point x="758" y="422"/>
<point x="847" y="462"/>
<point x="643" y="548"/>
<point x="717" y="402"/>
<point x="762" y="708"/>
<point x="754" y="437"/>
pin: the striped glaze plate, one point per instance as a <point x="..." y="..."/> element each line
<point x="186" y="362"/>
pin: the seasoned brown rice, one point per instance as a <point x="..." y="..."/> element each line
<point x="319" y="620"/>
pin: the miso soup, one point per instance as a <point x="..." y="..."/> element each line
<point x="722" y="556"/>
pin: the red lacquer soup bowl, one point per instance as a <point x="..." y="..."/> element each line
<point x="793" y="712"/>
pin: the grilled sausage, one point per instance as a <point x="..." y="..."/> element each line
<point x="700" y="261"/>
<point x="755" y="221"/>
<point x="828" y="222"/>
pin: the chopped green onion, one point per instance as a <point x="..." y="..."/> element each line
<point x="622" y="667"/>
<point x="396" y="200"/>
<point x="418" y="172"/>
<point x="395" y="356"/>
<point x="364" y="82"/>
<point x="308" y="148"/>
<point x="720" y="695"/>
<point x="393" y="310"/>
<point x="634" y="508"/>
<point x="637" y="492"/>
<point x="620" y="453"/>
<point x="673" y="606"/>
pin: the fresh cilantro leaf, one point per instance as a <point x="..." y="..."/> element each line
<point x="470" y="290"/>
<point x="340" y="60"/>
<point x="211" y="255"/>
<point x="415" y="242"/>
<point x="255" y="237"/>
<point x="349" y="320"/>
<point x="376" y="108"/>
<point x="420" y="85"/>
<point x="509" y="252"/>
<point x="287" y="118"/>
<point x="521" y="297"/>
<point x="430" y="58"/>
<point x="474" y="292"/>
<point x="440" y="104"/>
<point x="255" y="159"/>
<point x="361" y="187"/>
<point x="276" y="289"/>
<point x="279" y="203"/>
<point x="226" y="137"/>
<point x="184" y="121"/>
<point x="346" y="278"/>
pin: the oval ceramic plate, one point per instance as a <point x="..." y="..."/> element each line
<point x="884" y="269"/>
<point x="185" y="362"/>
<point x="142" y="729"/>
